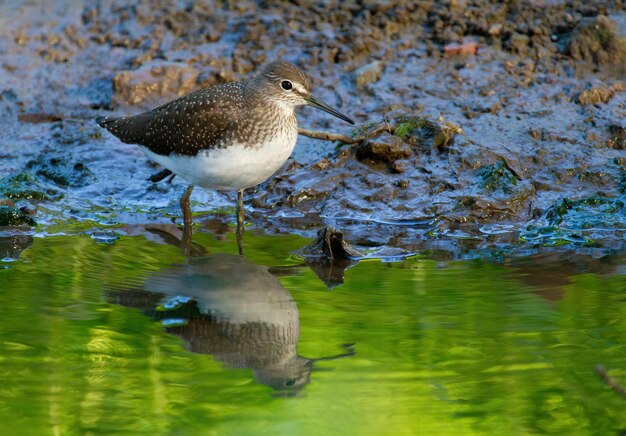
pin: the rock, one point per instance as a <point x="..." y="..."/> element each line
<point x="498" y="194"/>
<point x="536" y="134"/>
<point x="329" y="256"/>
<point x="369" y="73"/>
<point x="26" y="186"/>
<point x="30" y="184"/>
<point x="390" y="149"/>
<point x="600" y="94"/>
<point x="213" y="75"/>
<point x="154" y="82"/>
<point x="618" y="137"/>
<point x="497" y="177"/>
<point x="11" y="216"/>
<point x="596" y="40"/>
<point x="330" y="245"/>
<point x="399" y="166"/>
<point x="495" y="29"/>
<point x="62" y="172"/>
<point x="416" y="130"/>
<point x="12" y="246"/>
<point x="518" y="43"/>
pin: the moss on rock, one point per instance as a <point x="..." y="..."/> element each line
<point x="11" y="216"/>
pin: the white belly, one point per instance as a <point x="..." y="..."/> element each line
<point x="232" y="168"/>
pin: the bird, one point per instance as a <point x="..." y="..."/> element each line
<point x="234" y="309"/>
<point x="230" y="136"/>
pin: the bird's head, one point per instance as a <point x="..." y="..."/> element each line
<point x="289" y="87"/>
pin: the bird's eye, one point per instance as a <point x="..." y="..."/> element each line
<point x="286" y="85"/>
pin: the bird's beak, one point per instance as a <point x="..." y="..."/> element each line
<point x="312" y="101"/>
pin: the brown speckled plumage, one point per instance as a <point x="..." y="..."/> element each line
<point x="211" y="118"/>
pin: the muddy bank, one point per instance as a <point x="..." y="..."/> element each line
<point x="531" y="94"/>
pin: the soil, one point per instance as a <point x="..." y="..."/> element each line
<point x="494" y="115"/>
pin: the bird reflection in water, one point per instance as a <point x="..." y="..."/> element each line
<point x="237" y="311"/>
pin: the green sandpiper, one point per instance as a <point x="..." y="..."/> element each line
<point x="227" y="137"/>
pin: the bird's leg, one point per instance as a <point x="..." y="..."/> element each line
<point x="161" y="175"/>
<point x="187" y="221"/>
<point x="240" y="218"/>
<point x="184" y="206"/>
<point x="185" y="242"/>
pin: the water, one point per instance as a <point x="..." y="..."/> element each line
<point x="127" y="336"/>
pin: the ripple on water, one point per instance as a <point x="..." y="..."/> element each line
<point x="137" y="337"/>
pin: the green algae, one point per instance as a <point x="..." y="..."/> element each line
<point x="418" y="130"/>
<point x="578" y="222"/>
<point x="497" y="177"/>
<point x="10" y="216"/>
<point x="37" y="179"/>
<point x="26" y="186"/>
<point x="62" y="172"/>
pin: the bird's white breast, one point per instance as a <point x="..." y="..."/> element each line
<point x="232" y="168"/>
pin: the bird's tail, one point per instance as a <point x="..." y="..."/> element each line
<point x="104" y="121"/>
<point x="130" y="130"/>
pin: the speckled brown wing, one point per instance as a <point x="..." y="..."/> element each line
<point x="204" y="119"/>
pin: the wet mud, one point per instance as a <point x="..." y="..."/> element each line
<point x="489" y="126"/>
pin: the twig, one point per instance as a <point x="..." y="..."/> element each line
<point x="382" y="127"/>
<point x="610" y="381"/>
<point x="328" y="136"/>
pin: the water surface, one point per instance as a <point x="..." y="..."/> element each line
<point x="132" y="337"/>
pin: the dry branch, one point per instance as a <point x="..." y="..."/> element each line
<point x="610" y="381"/>
<point x="328" y="136"/>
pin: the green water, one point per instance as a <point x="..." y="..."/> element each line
<point x="91" y="342"/>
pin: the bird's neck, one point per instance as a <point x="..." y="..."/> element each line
<point x="261" y="102"/>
